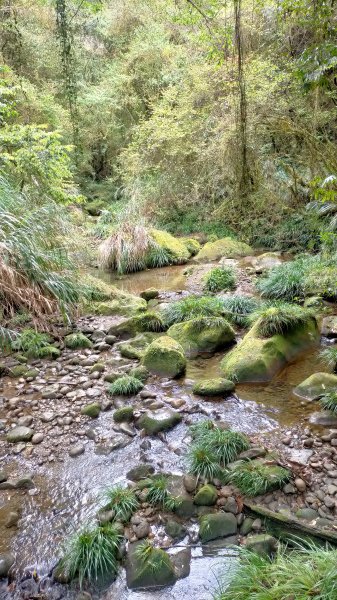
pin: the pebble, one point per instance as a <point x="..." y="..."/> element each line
<point x="76" y="450"/>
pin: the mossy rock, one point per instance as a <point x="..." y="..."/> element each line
<point x="157" y="571"/>
<point x="262" y="544"/>
<point x="140" y="373"/>
<point x="121" y="303"/>
<point x="111" y="377"/>
<point x="322" y="282"/>
<point x="149" y="294"/>
<point x="135" y="348"/>
<point x="192" y="245"/>
<point x="4" y="370"/>
<point x="145" y="322"/>
<point x="203" y="335"/>
<point x="19" y="434"/>
<point x="77" y="340"/>
<point x="314" y="302"/>
<point x="22" y="371"/>
<point x="159" y="420"/>
<point x="174" y="529"/>
<point x="124" y="414"/>
<point x="165" y="357"/>
<point x="97" y="368"/>
<point x="217" y="525"/>
<point x="174" y="246"/>
<point x="223" y="248"/>
<point x="260" y="359"/>
<point x="214" y="387"/>
<point x="316" y="385"/>
<point x="91" y="410"/>
<point x="206" y="496"/>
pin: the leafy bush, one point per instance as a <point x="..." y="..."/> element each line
<point x="125" y="386"/>
<point x="301" y="573"/>
<point x="329" y="401"/>
<point x="219" y="279"/>
<point x="91" y="553"/>
<point x="159" y="495"/>
<point x="254" y="478"/>
<point x="237" y="308"/>
<point x="280" y="318"/>
<point x="122" y="501"/>
<point x="191" y="307"/>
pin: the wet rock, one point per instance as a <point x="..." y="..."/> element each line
<point x="25" y="421"/>
<point x="141" y="574"/>
<point x="37" y="438"/>
<point x="309" y="514"/>
<point x="262" y="544"/>
<point x="316" y="385"/>
<point x="329" y="327"/>
<point x="206" y="496"/>
<point x="299" y="456"/>
<point x="141" y="529"/>
<point x="6" y="562"/>
<point x="246" y="526"/>
<point x="140" y="472"/>
<point x="300" y="484"/>
<point x="214" y="387"/>
<point x="329" y="502"/>
<point x="19" y="434"/>
<point x="91" y="410"/>
<point x="12" y="519"/>
<point x="181" y="561"/>
<point x="230" y="505"/>
<point x="144" y="394"/>
<point x="48" y="416"/>
<point x="213" y="526"/>
<point x="50" y="392"/>
<point x="127" y="429"/>
<point x="165" y="357"/>
<point x="76" y="450"/>
<point x="289" y="489"/>
<point x="190" y="483"/>
<point x="160" y="420"/>
<point x="324" y="417"/>
<point x="3" y="476"/>
<point x="174" y="529"/>
<point x="198" y="336"/>
<point x="257" y="525"/>
<point x="110" y="339"/>
<point x="149" y="294"/>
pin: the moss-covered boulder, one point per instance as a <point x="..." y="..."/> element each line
<point x="174" y="247"/>
<point x="149" y="294"/>
<point x="203" y="335"/>
<point x="135" y="348"/>
<point x="145" y="322"/>
<point x="260" y="359"/>
<point x="214" y="387"/>
<point x="140" y="373"/>
<point x="316" y="385"/>
<point x="192" y="245"/>
<point x="206" y="496"/>
<point x="329" y="326"/>
<point x="91" y="410"/>
<point x="77" y="340"/>
<point x="120" y="303"/>
<point x="49" y="352"/>
<point x="150" y="569"/>
<point x="123" y="414"/>
<point x="165" y="357"/>
<point x="223" y="248"/>
<point x="21" y="371"/>
<point x="217" y="525"/>
<point x="158" y="420"/>
<point x="262" y="544"/>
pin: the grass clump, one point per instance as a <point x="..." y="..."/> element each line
<point x="225" y="444"/>
<point x="202" y="462"/>
<point x="91" y="553"/>
<point x="122" y="501"/>
<point x="329" y="401"/>
<point x="31" y="342"/>
<point x="280" y="318"/>
<point x="125" y="386"/>
<point x="77" y="340"/>
<point x="150" y="321"/>
<point x="159" y="495"/>
<point x="254" y="478"/>
<point x="329" y="356"/>
<point x="237" y="308"/>
<point x="220" y="279"/>
<point x="298" y="574"/>
<point x="286" y="281"/>
<point x="191" y="307"/>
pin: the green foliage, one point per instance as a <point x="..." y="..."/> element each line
<point x="122" y="501"/>
<point x="125" y="386"/>
<point x="77" y="340"/>
<point x="192" y="307"/>
<point x="301" y="573"/>
<point x="238" y="308"/>
<point x="202" y="462"/>
<point x="285" y="282"/>
<point x="159" y="495"/>
<point x="91" y="553"/>
<point x="254" y="478"/>
<point x="280" y="318"/>
<point x="329" y="401"/>
<point x="31" y="342"/>
<point x="329" y="356"/>
<point x="219" y="279"/>
<point x="225" y="444"/>
<point x="151" y="557"/>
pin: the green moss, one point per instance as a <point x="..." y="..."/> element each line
<point x="145" y="322"/>
<point x="220" y="279"/>
<point x="161" y="420"/>
<point x="203" y="335"/>
<point x="140" y="373"/>
<point x="165" y="357"/>
<point x="226" y="247"/>
<point x="217" y="525"/>
<point x="118" y="302"/>
<point x="97" y="368"/>
<point x="123" y="414"/>
<point x="77" y="340"/>
<point x="214" y="387"/>
<point x="206" y="496"/>
<point x="50" y="352"/>
<point x="192" y="245"/>
<point x="135" y="348"/>
<point x="174" y="246"/>
<point x="148" y="567"/>
<point x="91" y="410"/>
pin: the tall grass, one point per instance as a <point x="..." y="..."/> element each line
<point x="122" y="501"/>
<point x="286" y="281"/>
<point x="237" y="308"/>
<point x="192" y="307"/>
<point x="280" y="318"/>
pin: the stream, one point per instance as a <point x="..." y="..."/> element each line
<point x="66" y="489"/>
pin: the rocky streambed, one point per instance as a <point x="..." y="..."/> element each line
<point x="60" y="447"/>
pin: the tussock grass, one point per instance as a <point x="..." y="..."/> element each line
<point x="122" y="501"/>
<point x="286" y="281"/>
<point x="280" y="318"/>
<point x="219" y="279"/>
<point x="329" y="356"/>
<point x="329" y="401"/>
<point x="237" y="308"/>
<point x="151" y="557"/>
<point x="191" y="307"/>
<point x="77" y="340"/>
<point x="254" y="478"/>
<point x="299" y="574"/>
<point x="125" y="386"/>
<point x="150" y="321"/>
<point x="202" y="462"/>
<point x="225" y="445"/>
<point x="159" y="495"/>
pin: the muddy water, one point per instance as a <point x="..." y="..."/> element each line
<point x="69" y="492"/>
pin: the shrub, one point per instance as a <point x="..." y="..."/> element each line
<point x="238" y="308"/>
<point x="280" y="318"/>
<point x="191" y="307"/>
<point x="329" y="401"/>
<point x="300" y="574"/>
<point x="219" y="279"/>
<point x="31" y="342"/>
<point x="254" y="478"/>
<point x="125" y="386"/>
<point x="77" y="340"/>
<point x="91" y="553"/>
<point x="122" y="501"/>
<point x="159" y="495"/>
<point x="202" y="462"/>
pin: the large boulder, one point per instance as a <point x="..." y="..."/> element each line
<point x="217" y="525"/>
<point x="135" y="347"/>
<point x="156" y="570"/>
<point x="260" y="359"/>
<point x="165" y="357"/>
<point x="175" y="247"/>
<point x="316" y="385"/>
<point x="6" y="562"/>
<point x="123" y="304"/>
<point x="203" y="335"/>
<point x="158" y="420"/>
<point x="225" y="247"/>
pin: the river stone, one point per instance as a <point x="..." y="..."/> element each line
<point x="213" y="526"/>
<point x="159" y="420"/>
<point x="214" y="387"/>
<point x="202" y="335"/>
<point x="309" y="514"/>
<point x="206" y="496"/>
<point x="165" y="357"/>
<point x="262" y="544"/>
<point x="48" y="416"/>
<point x="247" y="526"/>
<point x="316" y="385"/>
<point x="149" y="294"/>
<point x="257" y="359"/>
<point x="223" y="248"/>
<point x="12" y="519"/>
<point x="125" y="413"/>
<point x="324" y="417"/>
<point x="266" y="261"/>
<point x="140" y="472"/>
<point x="3" y="476"/>
<point x="25" y="421"/>
<point x="50" y="392"/>
<point x="141" y="529"/>
<point x="181" y="561"/>
<point x="142" y="574"/>
<point x="19" y="434"/>
<point x="91" y="410"/>
<point x="174" y="529"/>
<point x="76" y="450"/>
<point x="329" y="327"/>
<point x="6" y="562"/>
<point x="190" y="483"/>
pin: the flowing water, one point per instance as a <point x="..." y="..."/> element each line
<point x="68" y="490"/>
